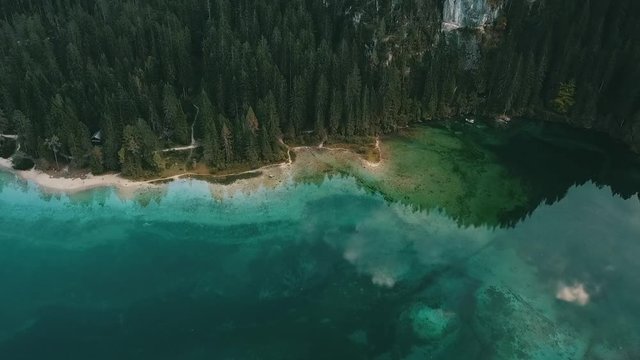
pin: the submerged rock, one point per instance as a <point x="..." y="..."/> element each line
<point x="428" y="332"/>
<point x="430" y="323"/>
<point x="516" y="330"/>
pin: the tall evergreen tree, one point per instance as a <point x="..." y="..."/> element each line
<point x="175" y="125"/>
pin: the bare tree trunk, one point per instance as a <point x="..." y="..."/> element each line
<point x="193" y="139"/>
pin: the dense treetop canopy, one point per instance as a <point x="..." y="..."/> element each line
<point x="244" y="74"/>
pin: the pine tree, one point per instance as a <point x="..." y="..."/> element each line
<point x="565" y="99"/>
<point x="265" y="145"/>
<point x="4" y="122"/>
<point x="297" y="109"/>
<point x="391" y="101"/>
<point x="270" y="130"/>
<point x="175" y="127"/>
<point x="251" y="121"/>
<point x="353" y="90"/>
<point x="110" y="143"/>
<point x="139" y="152"/>
<point x="211" y="144"/>
<point x="53" y="143"/>
<point x="251" y="151"/>
<point x="335" y="111"/>
<point x="321" y="101"/>
<point x="129" y="154"/>
<point x="97" y="161"/>
<point x="226" y="138"/>
<point x="25" y="132"/>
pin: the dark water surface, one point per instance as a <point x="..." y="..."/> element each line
<point x="332" y="271"/>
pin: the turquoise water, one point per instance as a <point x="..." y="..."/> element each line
<point x="327" y="271"/>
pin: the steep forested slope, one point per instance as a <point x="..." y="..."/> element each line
<point x="246" y="73"/>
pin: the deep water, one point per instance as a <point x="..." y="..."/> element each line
<point x="331" y="270"/>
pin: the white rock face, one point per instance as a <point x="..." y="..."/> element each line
<point x="467" y="13"/>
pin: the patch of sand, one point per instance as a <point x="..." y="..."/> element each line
<point x="52" y="184"/>
<point x="311" y="161"/>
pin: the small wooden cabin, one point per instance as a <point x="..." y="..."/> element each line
<point x="96" y="139"/>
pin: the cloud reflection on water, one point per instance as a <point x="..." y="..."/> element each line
<point x="392" y="243"/>
<point x="573" y="294"/>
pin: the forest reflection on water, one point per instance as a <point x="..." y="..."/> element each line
<point x="496" y="173"/>
<point x="327" y="270"/>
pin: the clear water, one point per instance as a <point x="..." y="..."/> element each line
<point x="333" y="271"/>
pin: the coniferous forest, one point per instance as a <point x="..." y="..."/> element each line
<point x="239" y="76"/>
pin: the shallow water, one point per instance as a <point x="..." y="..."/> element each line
<point x="332" y="270"/>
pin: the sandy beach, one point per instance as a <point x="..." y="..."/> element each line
<point x="310" y="161"/>
<point x="71" y="185"/>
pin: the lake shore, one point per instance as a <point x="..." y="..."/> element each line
<point x="72" y="185"/>
<point x="309" y="161"/>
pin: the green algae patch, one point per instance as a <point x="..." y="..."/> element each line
<point x="431" y="167"/>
